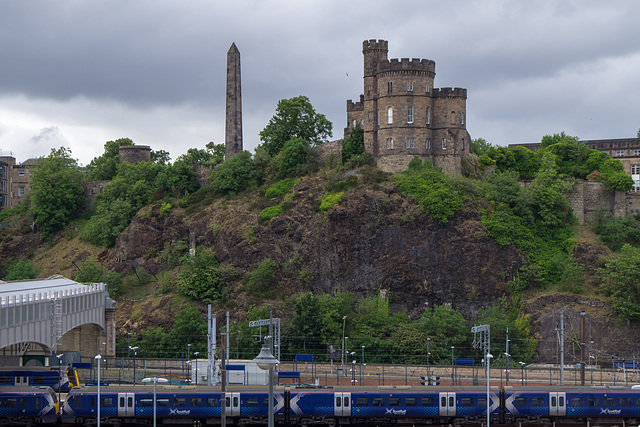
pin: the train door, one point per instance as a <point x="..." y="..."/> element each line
<point x="232" y="404"/>
<point x="447" y="404"/>
<point x="21" y="381"/>
<point x="342" y="404"/>
<point x="126" y="407"/>
<point x="558" y="403"/>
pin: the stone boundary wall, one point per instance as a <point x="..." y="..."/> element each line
<point x="91" y="190"/>
<point x="328" y="148"/>
<point x="587" y="198"/>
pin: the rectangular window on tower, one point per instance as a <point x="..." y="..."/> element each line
<point x="444" y="143"/>
<point x="635" y="169"/>
<point x="390" y="115"/>
<point x="410" y="115"/>
<point x="428" y="116"/>
<point x="21" y="191"/>
<point x="410" y="87"/>
<point x="389" y="87"/>
<point x="428" y="144"/>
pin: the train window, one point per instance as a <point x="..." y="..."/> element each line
<point x="227" y="402"/>
<point x="410" y="401"/>
<point x="195" y="401"/>
<point x="23" y="401"/>
<point x="452" y="402"/>
<point x="146" y="402"/>
<point x="560" y="400"/>
<point x="553" y="401"/>
<point x="179" y="401"/>
<point x="38" y="379"/>
<point x="394" y="401"/>
<point x="6" y="379"/>
<point x="609" y="401"/>
<point x="162" y="402"/>
<point x="213" y="401"/>
<point x="625" y="401"/>
<point x="92" y="402"/>
<point x="106" y="402"/>
<point x="10" y="402"/>
<point x="338" y="401"/>
<point x="443" y="401"/>
<point x="362" y="401"/>
<point x="346" y="401"/>
<point x="482" y="402"/>
<point x="252" y="401"/>
<point x="265" y="401"/>
<point x="426" y="401"/>
<point x="378" y="401"/>
<point x="638" y="401"/>
<point x="79" y="402"/>
<point x="593" y="401"/>
<point x="537" y="401"/>
<point x="466" y="401"/>
<point x="576" y="401"/>
<point x="520" y="401"/>
<point x="38" y="402"/>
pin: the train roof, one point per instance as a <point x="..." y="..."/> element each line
<point x="25" y="389"/>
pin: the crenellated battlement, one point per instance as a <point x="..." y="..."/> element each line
<point x="445" y="92"/>
<point x="374" y="44"/>
<point x="406" y="64"/>
<point x="355" y="106"/>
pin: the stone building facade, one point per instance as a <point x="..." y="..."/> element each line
<point x="134" y="153"/>
<point x="403" y="116"/>
<point x="14" y="181"/>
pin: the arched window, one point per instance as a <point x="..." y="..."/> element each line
<point x="410" y="115"/>
<point x="389" y="143"/>
<point x="462" y="119"/>
<point x="390" y="115"/>
<point x="428" y="115"/>
<point x="409" y="86"/>
<point x="409" y="143"/>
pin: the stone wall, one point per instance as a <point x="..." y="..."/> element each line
<point x="91" y="190"/>
<point x="587" y="198"/>
<point x="324" y="151"/>
<point x="134" y="153"/>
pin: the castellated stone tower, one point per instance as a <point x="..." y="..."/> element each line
<point x="404" y="116"/>
<point x="233" y="123"/>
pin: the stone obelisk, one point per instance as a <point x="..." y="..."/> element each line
<point x="233" y="125"/>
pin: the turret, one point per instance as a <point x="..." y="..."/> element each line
<point x="374" y="51"/>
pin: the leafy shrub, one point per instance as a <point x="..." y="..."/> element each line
<point x="200" y="277"/>
<point x="89" y="272"/>
<point x="262" y="278"/>
<point x="353" y="145"/>
<point x="21" y="270"/>
<point x="615" y="232"/>
<point x="432" y="190"/>
<point x="235" y="174"/>
<point x="329" y="200"/>
<point x="269" y="213"/>
<point x="295" y="154"/>
<point x="165" y="209"/>
<point x="281" y="187"/>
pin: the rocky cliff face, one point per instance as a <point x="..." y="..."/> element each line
<point x="373" y="241"/>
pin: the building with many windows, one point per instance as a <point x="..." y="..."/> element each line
<point x="403" y="116"/>
<point x="14" y="181"/>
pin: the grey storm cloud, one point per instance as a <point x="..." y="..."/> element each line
<point x="154" y="70"/>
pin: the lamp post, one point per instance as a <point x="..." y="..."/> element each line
<point x="135" y="352"/>
<point x="128" y="348"/>
<point x="507" y="355"/>
<point x="452" y="372"/>
<point x="362" y="365"/>
<point x="488" y="358"/>
<point x="428" y="354"/>
<point x="154" y="380"/>
<point x="266" y="361"/>
<point x="98" y="358"/>
<point x="522" y="372"/>
<point x="196" y="370"/>
<point x="59" y="356"/>
<point x="344" y="322"/>
<point x="188" y="351"/>
<point x="353" y="372"/>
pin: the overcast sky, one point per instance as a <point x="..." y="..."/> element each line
<point x="78" y="73"/>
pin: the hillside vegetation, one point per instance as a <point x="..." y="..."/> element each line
<point x="334" y="248"/>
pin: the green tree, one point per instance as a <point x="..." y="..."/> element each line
<point x="353" y="144"/>
<point x="446" y="327"/>
<point x="196" y="156"/>
<point x="217" y="152"/>
<point x="295" y="118"/>
<point x="479" y="146"/>
<point x="235" y="174"/>
<point x="57" y="196"/>
<point x="89" y="272"/>
<point x="21" y="270"/>
<point x="189" y="327"/>
<point x="105" y="167"/>
<point x="295" y="154"/>
<point x="621" y="279"/>
<point x="200" y="277"/>
<point x="160" y="157"/>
